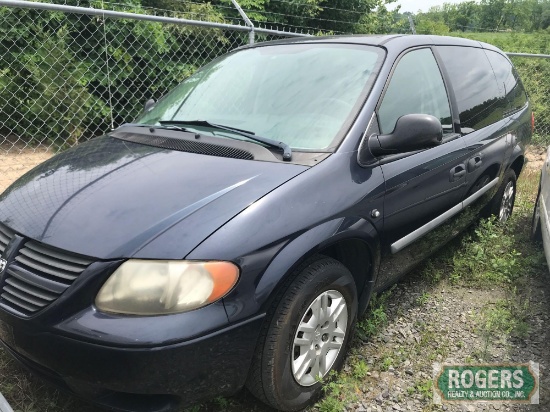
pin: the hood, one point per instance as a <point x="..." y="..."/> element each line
<point x="109" y="198"/>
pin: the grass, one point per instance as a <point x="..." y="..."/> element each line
<point x="377" y="318"/>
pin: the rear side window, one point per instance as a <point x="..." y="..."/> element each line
<point x="416" y="87"/>
<point x="509" y="83"/>
<point x="475" y="86"/>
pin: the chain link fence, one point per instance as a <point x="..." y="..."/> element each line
<point x="72" y="73"/>
<point x="69" y="76"/>
<point x="534" y="70"/>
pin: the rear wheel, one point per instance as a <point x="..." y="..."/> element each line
<point x="306" y="336"/>
<point x="536" y="233"/>
<point x="502" y="204"/>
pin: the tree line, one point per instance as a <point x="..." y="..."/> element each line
<point x="486" y="16"/>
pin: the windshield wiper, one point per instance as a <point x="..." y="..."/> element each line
<point x="152" y="126"/>
<point x="287" y="152"/>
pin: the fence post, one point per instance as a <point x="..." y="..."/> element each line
<point x="251" y="34"/>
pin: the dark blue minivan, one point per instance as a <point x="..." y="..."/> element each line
<point x="232" y="235"/>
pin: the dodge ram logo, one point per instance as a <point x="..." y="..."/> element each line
<point x="3" y="264"/>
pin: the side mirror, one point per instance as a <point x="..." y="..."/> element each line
<point x="412" y="132"/>
<point x="149" y="104"/>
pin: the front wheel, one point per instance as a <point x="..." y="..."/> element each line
<point x="306" y="336"/>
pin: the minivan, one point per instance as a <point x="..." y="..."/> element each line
<point x="232" y="234"/>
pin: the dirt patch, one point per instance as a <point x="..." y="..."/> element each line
<point x="15" y="165"/>
<point x="535" y="157"/>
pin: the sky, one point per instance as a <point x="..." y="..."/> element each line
<point x="415" y="5"/>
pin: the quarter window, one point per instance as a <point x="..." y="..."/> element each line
<point x="508" y="81"/>
<point x="416" y="87"/>
<point x="474" y="84"/>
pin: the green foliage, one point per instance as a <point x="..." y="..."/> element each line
<point x="504" y="317"/>
<point x="423" y="299"/>
<point x="432" y="273"/>
<point x="376" y="317"/>
<point x="63" y="73"/>
<point x="424" y="388"/>
<point x="222" y="403"/>
<point x="427" y="25"/>
<point x="387" y="361"/>
<point x="334" y="389"/>
<point x="492" y="15"/>
<point x="490" y="257"/>
<point x="334" y="16"/>
<point x="359" y="369"/>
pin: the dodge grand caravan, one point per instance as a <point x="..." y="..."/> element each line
<point x="232" y="234"/>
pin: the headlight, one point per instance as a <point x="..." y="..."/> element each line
<point x="153" y="287"/>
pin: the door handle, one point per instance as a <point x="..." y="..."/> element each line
<point x="474" y="163"/>
<point x="457" y="172"/>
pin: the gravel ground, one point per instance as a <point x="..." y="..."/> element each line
<point x="445" y="328"/>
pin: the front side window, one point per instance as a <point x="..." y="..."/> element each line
<point x="301" y="94"/>
<point x="416" y="87"/>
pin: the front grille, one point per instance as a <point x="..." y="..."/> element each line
<point x="38" y="276"/>
<point x="5" y="236"/>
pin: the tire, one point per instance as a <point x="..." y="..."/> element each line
<point x="536" y="232"/>
<point x="281" y="374"/>
<point x="502" y="204"/>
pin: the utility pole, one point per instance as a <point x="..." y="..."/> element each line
<point x="411" y="23"/>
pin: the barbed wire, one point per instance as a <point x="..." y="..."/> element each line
<point x="304" y="17"/>
<point x="176" y="13"/>
<point x="296" y="29"/>
<point x="322" y="7"/>
<point x="137" y="9"/>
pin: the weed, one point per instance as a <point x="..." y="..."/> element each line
<point x="222" y="402"/>
<point x="424" y="388"/>
<point x="423" y="299"/>
<point x="359" y="369"/>
<point x="454" y="278"/>
<point x="331" y="404"/>
<point x="432" y="273"/>
<point x="335" y="387"/>
<point x="505" y="317"/>
<point x="386" y="363"/>
<point x="376" y="317"/>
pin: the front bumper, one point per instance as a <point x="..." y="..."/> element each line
<point x="139" y="379"/>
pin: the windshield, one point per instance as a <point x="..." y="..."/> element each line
<point x="299" y="94"/>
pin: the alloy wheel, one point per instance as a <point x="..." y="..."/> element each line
<point x="319" y="338"/>
<point x="507" y="202"/>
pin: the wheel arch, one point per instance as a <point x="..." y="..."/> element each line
<point x="517" y="164"/>
<point x="356" y="246"/>
<point x="351" y="253"/>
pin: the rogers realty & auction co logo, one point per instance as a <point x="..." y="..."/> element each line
<point x="512" y="382"/>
